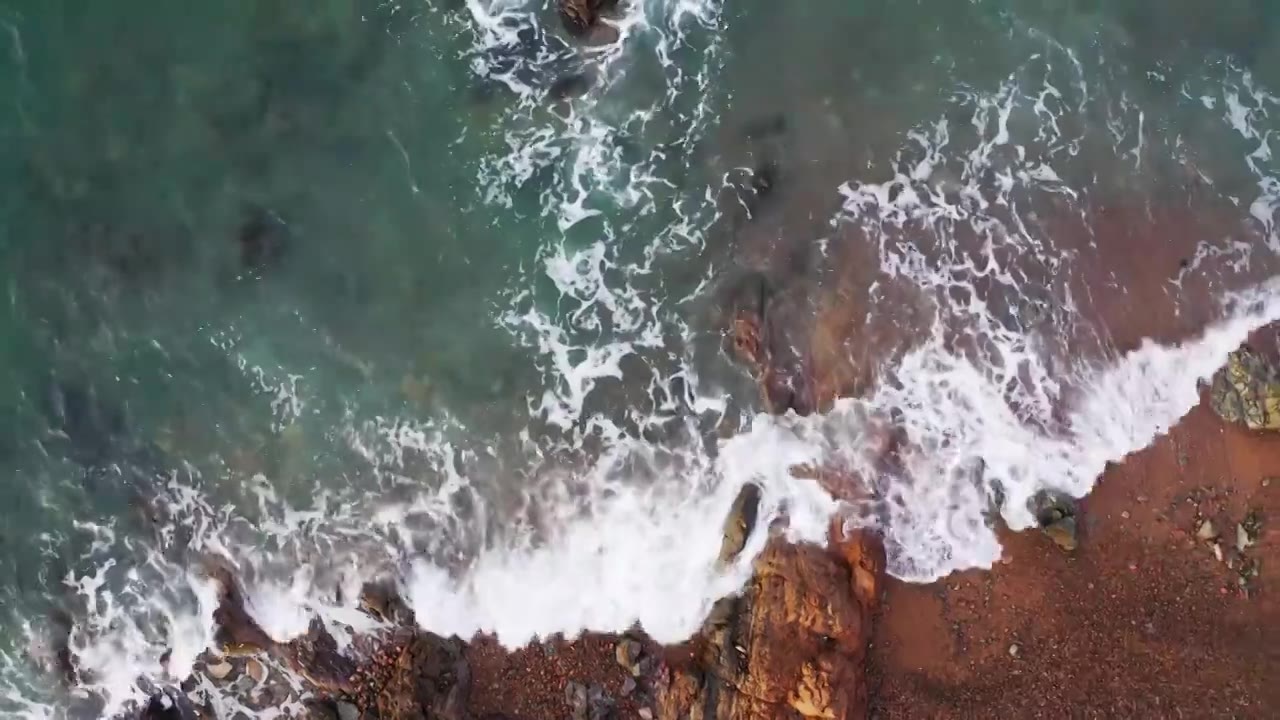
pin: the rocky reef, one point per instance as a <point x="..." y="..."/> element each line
<point x="793" y="644"/>
<point x="1159" y="602"/>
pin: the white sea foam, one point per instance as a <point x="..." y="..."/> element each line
<point x="630" y="532"/>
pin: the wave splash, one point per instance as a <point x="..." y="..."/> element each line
<point x="617" y="516"/>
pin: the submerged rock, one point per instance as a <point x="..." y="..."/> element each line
<point x="793" y="644"/>
<point x="740" y="522"/>
<point x="580" y="16"/>
<point x="1246" y="391"/>
<point x="763" y="324"/>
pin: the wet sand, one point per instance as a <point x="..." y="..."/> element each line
<point x="1141" y="621"/>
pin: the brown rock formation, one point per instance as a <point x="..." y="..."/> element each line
<point x="792" y="645"/>
<point x="1247" y="391"/>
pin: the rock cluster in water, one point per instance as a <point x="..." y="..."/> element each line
<point x="793" y="644"/>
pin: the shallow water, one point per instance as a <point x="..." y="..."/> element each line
<point x="345" y="292"/>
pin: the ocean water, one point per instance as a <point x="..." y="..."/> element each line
<point x="428" y="290"/>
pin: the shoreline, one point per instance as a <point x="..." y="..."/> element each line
<point x="1141" y="619"/>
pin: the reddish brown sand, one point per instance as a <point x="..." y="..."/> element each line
<point x="529" y="684"/>
<point x="1141" y="621"/>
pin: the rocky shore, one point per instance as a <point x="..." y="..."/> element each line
<point x="1156" y="600"/>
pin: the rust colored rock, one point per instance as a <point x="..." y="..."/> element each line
<point x="794" y="645"/>
<point x="429" y="679"/>
<point x="238" y="633"/>
<point x="580" y="16"/>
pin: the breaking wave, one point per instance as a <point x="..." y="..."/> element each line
<point x="603" y="506"/>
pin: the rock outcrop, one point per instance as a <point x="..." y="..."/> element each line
<point x="580" y="16"/>
<point x="1246" y="391"/>
<point x="793" y="644"/>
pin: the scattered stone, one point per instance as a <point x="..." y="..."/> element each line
<point x="1217" y="551"/>
<point x="1252" y="525"/>
<point x="645" y="714"/>
<point x="382" y="601"/>
<point x="1206" y="531"/>
<point x="1056" y="514"/>
<point x="1243" y="541"/>
<point x="567" y="87"/>
<point x="575" y="696"/>
<point x="256" y="670"/>
<point x="218" y="671"/>
<point x="316" y="709"/>
<point x="347" y="711"/>
<point x="628" y="686"/>
<point x="579" y="16"/>
<point x="1125" y="514"/>
<point x="1013" y="650"/>
<point x="627" y="652"/>
<point x="1247" y="391"/>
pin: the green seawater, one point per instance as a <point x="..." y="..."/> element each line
<point x="233" y="233"/>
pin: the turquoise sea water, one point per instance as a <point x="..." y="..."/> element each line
<point x="347" y="286"/>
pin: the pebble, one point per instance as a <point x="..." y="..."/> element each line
<point x="1217" y="551"/>
<point x="628" y="686"/>
<point x="347" y="711"/>
<point x="1206" y="531"/>
<point x="646" y="714"/>
<point x="255" y="670"/>
<point x="1242" y="538"/>
<point x="1013" y="650"/>
<point x="218" y="671"/>
<point x="1125" y="514"/>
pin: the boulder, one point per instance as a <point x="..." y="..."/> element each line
<point x="793" y="645"/>
<point x="1246" y="391"/>
<point x="580" y="16"/>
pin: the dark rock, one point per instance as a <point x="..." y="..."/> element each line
<point x="740" y="522"/>
<point x="316" y="709"/>
<point x="168" y="705"/>
<point x="263" y="239"/>
<point x="579" y="16"/>
<point x="575" y="696"/>
<point x="599" y="705"/>
<point x="569" y="86"/>
<point x="237" y="632"/>
<point x="763" y="127"/>
<point x="627" y="652"/>
<point x="1056" y="515"/>
<point x="382" y="600"/>
<point x="764" y="178"/>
